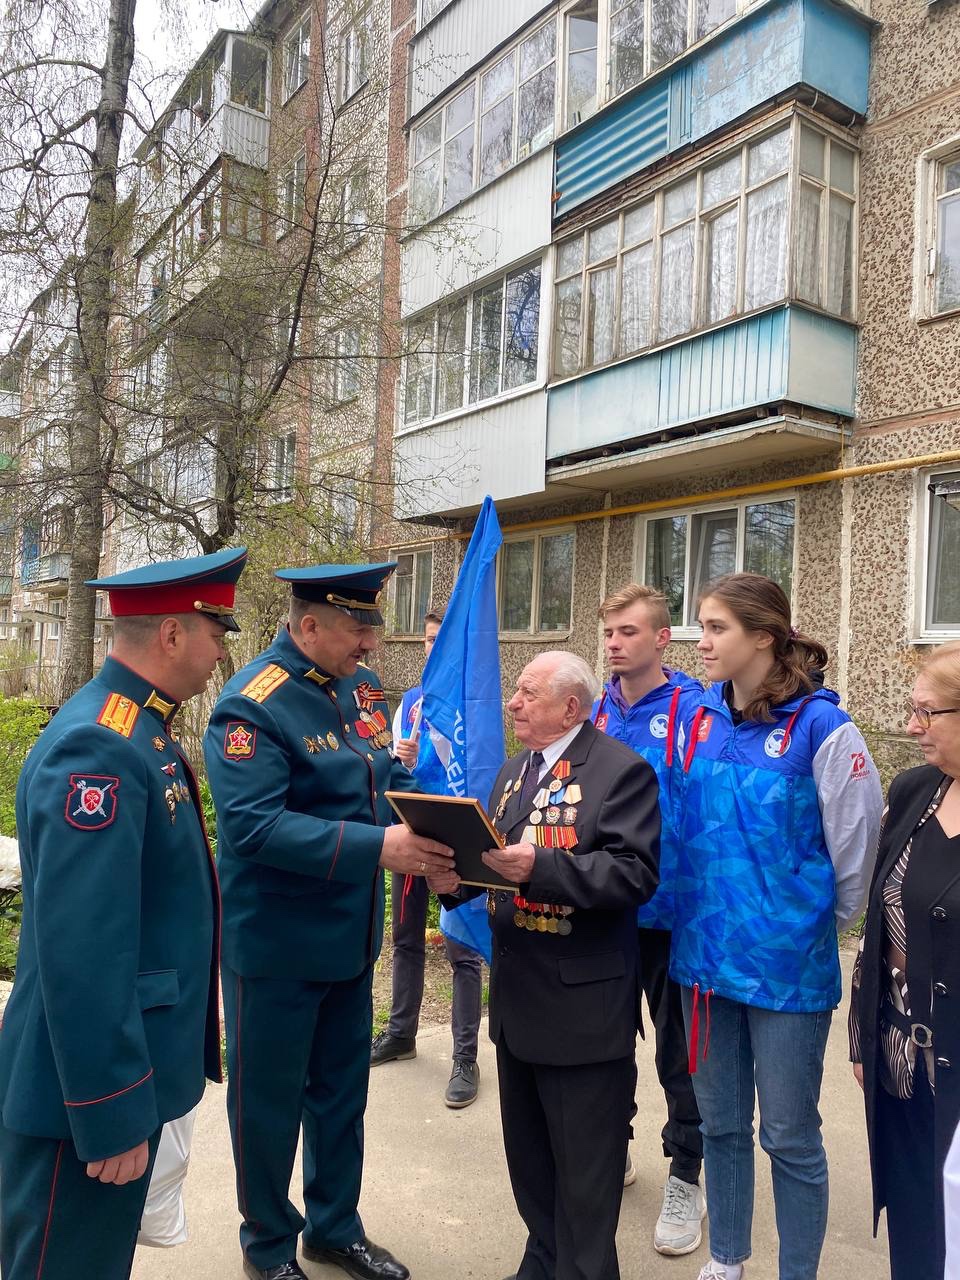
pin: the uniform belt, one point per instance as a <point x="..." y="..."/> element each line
<point x="918" y="1032"/>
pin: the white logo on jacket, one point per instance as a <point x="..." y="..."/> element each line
<point x="659" y="725"/>
<point x="774" y="743"/>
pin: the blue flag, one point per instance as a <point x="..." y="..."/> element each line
<point x="462" y="701"/>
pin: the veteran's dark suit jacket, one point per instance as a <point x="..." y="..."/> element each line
<point x="575" y="999"/>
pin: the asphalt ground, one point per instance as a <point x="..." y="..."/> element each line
<point x="436" y="1191"/>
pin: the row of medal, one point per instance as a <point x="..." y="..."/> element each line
<point x="542" y="917"/>
<point x="319" y="743"/>
<point x="372" y="724"/>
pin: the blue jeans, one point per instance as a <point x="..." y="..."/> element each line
<point x="782" y="1055"/>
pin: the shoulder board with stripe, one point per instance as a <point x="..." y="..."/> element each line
<point x="119" y="713"/>
<point x="265" y="683"/>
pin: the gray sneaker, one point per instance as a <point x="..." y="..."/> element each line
<point x="678" y="1228"/>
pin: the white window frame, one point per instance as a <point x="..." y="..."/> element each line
<point x="538" y="537"/>
<point x="476" y="83"/>
<point x="923" y="507"/>
<point x="792" y="121"/>
<point x="431" y="319"/>
<point x="687" y="630"/>
<point x="296" y="57"/>
<point x="409" y="629"/>
<point x="927" y="204"/>
<point x="354" y="212"/>
<point x="438" y="7"/>
<point x="354" y="48"/>
<point x="345" y="367"/>
<point x="291" y="195"/>
<point x="284" y="465"/>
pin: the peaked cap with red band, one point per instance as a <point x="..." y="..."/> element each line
<point x="200" y="584"/>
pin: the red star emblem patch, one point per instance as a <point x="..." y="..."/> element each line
<point x="240" y="741"/>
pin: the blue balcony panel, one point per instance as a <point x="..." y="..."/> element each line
<point x="41" y="571"/>
<point x="785" y="355"/>
<point x="773" y="47"/>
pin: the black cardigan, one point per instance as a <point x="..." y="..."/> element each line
<point x="908" y="799"/>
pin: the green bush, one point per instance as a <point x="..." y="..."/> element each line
<point x="21" y="720"/>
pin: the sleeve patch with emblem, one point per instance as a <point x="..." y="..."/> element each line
<point x="91" y="801"/>
<point x="265" y="682"/>
<point x="119" y="714"/>
<point x="239" y="741"/>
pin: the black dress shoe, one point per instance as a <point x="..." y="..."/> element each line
<point x="363" y="1260"/>
<point x="464" y="1082"/>
<point x="285" y="1271"/>
<point x="388" y="1048"/>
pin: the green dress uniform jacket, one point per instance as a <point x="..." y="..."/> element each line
<point x="113" y="1020"/>
<point x="298" y="764"/>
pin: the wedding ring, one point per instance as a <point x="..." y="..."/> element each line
<point x="423" y="866"/>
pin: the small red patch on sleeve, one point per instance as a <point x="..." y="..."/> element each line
<point x="239" y="741"/>
<point x="91" y="801"/>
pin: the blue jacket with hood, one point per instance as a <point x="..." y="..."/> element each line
<point x="777" y="827"/>
<point x="650" y="726"/>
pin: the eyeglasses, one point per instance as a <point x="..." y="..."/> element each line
<point x="924" y="715"/>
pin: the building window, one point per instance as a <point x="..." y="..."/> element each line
<point x="244" y="205"/>
<point x="290" y="198"/>
<point x="150" y="378"/>
<point x="535" y="583"/>
<point x="296" y="58"/>
<point x="284" y="465"/>
<point x="355" y="44"/>
<point x="475" y="347"/>
<point x="468" y="143"/>
<point x="943" y="256"/>
<point x="354" y="207"/>
<point x="645" y="35"/>
<point x="581" y="33"/>
<point x="430" y="8"/>
<point x="708" y="247"/>
<point x="681" y="553"/>
<point x="344" y="508"/>
<point x="411" y="590"/>
<point x="345" y="366"/>
<point x="940" y="609"/>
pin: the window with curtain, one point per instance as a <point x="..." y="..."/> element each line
<point x="708" y="247"/>
<point x="942" y="610"/>
<point x="946" y="217"/>
<point x="296" y="57"/>
<point x="644" y="35"/>
<point x="474" y="348"/>
<point x="682" y="552"/>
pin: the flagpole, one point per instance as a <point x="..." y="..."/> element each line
<point x="415" y="728"/>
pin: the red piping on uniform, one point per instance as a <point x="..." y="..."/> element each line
<point x="53" y="1192"/>
<point x="110" y="1096"/>
<point x="672" y="724"/>
<point x="695" y="1028"/>
<point x="336" y="852"/>
<point x="692" y="744"/>
<point x="785" y="740"/>
<point x="241" y="1168"/>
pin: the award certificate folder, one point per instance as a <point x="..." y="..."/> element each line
<point x="459" y="823"/>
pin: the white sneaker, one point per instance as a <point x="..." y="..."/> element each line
<point x="629" y="1173"/>
<point x="720" y="1271"/>
<point x="678" y="1227"/>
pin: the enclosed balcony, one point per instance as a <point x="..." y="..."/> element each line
<point x="222" y="109"/>
<point x="43" y="572"/>
<point x="770" y="49"/>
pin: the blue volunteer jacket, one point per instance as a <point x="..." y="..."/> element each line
<point x="777" y="826"/>
<point x="650" y="726"/>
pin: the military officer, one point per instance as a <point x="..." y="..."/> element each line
<point x="298" y="760"/>
<point x="113" y="1021"/>
<point x="581" y="826"/>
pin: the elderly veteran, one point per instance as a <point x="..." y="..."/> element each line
<point x="580" y="817"/>
<point x="113" y="1021"/>
<point x="298" y="763"/>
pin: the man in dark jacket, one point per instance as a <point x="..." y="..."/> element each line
<point x="579" y="815"/>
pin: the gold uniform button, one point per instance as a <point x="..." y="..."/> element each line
<point x="346" y="728"/>
<point x="333" y="694"/>
<point x="369" y="756"/>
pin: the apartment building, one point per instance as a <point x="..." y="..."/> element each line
<point x="669" y="262"/>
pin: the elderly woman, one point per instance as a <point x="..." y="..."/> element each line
<point x="905" y="1011"/>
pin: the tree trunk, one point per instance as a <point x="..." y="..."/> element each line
<point x="88" y="436"/>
